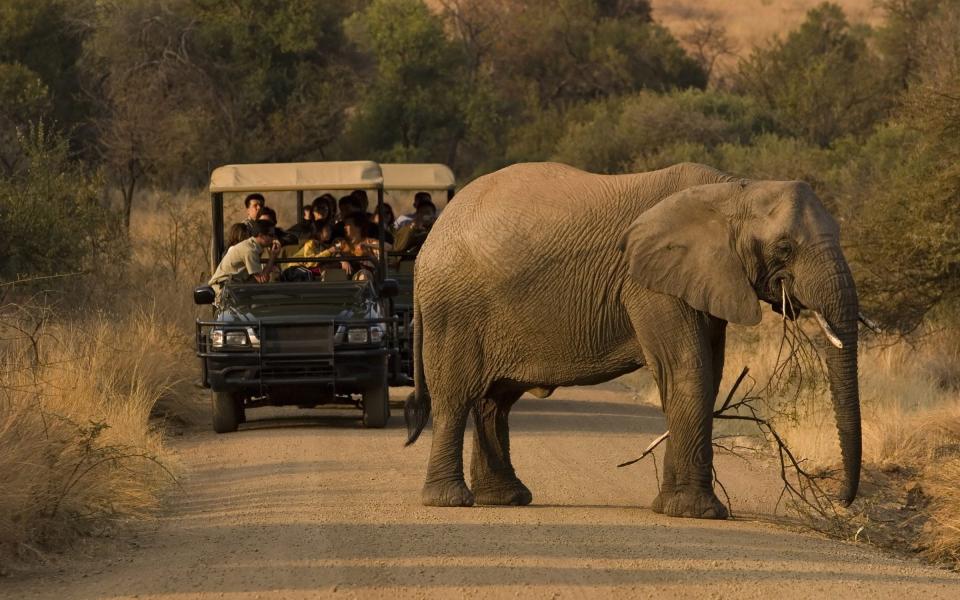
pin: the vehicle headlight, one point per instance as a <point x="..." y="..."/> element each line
<point x="236" y="338"/>
<point x="357" y="335"/>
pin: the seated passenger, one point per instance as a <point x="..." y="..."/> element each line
<point x="408" y="218"/>
<point x="324" y="208"/>
<point x="241" y="263"/>
<point x="348" y="206"/>
<point x="373" y="225"/>
<point x="354" y="244"/>
<point x="252" y="203"/>
<point x="410" y="237"/>
<point x="303" y="229"/>
<point x="317" y="246"/>
<point x="268" y="214"/>
<point x="237" y="233"/>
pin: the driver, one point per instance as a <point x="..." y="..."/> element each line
<point x="241" y="263"/>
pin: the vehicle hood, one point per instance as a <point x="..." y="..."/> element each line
<point x="282" y="301"/>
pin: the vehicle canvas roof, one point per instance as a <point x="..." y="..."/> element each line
<point x="270" y="177"/>
<point x="410" y="176"/>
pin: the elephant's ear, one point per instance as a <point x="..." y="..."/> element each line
<point x="683" y="247"/>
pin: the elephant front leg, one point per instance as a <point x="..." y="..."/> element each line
<point x="688" y="466"/>
<point x="445" y="485"/>
<point x="492" y="476"/>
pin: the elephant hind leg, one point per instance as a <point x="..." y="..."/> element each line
<point x="492" y="476"/>
<point x="445" y="485"/>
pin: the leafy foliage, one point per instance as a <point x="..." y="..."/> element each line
<point x="821" y="82"/>
<point x="51" y="220"/>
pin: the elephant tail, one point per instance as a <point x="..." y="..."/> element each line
<point x="416" y="410"/>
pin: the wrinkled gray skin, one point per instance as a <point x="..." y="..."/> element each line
<point x="542" y="275"/>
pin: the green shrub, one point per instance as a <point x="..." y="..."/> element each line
<point x="51" y="217"/>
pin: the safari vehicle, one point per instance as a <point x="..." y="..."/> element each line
<point x="330" y="340"/>
<point x="400" y="179"/>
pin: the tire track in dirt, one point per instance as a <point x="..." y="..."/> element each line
<point x="317" y="507"/>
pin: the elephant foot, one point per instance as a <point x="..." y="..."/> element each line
<point x="446" y="493"/>
<point x="502" y="493"/>
<point x="696" y="504"/>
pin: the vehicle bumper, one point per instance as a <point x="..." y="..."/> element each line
<point x="345" y="371"/>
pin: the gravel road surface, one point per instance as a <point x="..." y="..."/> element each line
<point x="306" y="504"/>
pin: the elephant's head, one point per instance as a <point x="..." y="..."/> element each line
<point x="723" y="247"/>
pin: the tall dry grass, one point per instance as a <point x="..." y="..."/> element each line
<point x="91" y="373"/>
<point x="910" y="403"/>
<point x="77" y="450"/>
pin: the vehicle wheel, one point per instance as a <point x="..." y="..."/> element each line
<point x="376" y="406"/>
<point x="227" y="412"/>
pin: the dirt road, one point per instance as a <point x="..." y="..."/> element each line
<point x="318" y="507"/>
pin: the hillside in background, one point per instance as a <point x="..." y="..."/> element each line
<point x="746" y="23"/>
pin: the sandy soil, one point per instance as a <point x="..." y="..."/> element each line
<point x="307" y="504"/>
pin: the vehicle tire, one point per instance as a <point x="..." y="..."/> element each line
<point x="376" y="405"/>
<point x="227" y="412"/>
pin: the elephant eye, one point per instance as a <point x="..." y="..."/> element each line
<point x="783" y="249"/>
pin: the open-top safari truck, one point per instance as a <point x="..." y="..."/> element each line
<point x="331" y="340"/>
<point x="407" y="179"/>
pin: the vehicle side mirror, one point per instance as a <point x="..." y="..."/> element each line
<point x="389" y="288"/>
<point x="204" y="295"/>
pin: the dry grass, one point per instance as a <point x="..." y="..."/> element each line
<point x="910" y="402"/>
<point x="77" y="452"/>
<point x="85" y="395"/>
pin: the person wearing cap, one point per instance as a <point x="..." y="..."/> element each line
<point x="241" y="263"/>
<point x="418" y="199"/>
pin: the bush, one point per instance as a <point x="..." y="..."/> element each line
<point x="51" y="218"/>
<point x="630" y="134"/>
<point x="822" y="82"/>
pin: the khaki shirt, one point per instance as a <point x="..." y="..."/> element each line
<point x="239" y="263"/>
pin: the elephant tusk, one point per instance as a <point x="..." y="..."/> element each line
<point x="827" y="330"/>
<point x="783" y="301"/>
<point x="871" y="324"/>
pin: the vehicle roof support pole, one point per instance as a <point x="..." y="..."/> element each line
<point x="216" y="210"/>
<point x="381" y="235"/>
<point x="300" y="207"/>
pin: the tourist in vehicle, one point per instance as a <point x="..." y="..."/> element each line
<point x="408" y="218"/>
<point x="324" y="208"/>
<point x="353" y="244"/>
<point x="237" y="233"/>
<point x="304" y="228"/>
<point x="241" y="263"/>
<point x="411" y="236"/>
<point x="347" y="205"/>
<point x="252" y="204"/>
<point x="362" y="200"/>
<point x="384" y="218"/>
<point x="269" y="215"/>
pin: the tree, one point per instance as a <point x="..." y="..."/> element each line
<point x="822" y="81"/>
<point x="412" y="110"/>
<point x="156" y="104"/>
<point x="907" y="228"/>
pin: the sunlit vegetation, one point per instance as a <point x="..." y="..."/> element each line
<point x="113" y="113"/>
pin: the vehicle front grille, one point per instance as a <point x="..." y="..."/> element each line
<point x="297" y="338"/>
<point x="297" y="370"/>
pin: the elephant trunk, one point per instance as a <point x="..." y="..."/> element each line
<point x="827" y="287"/>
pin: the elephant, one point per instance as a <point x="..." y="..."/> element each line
<point x="541" y="275"/>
